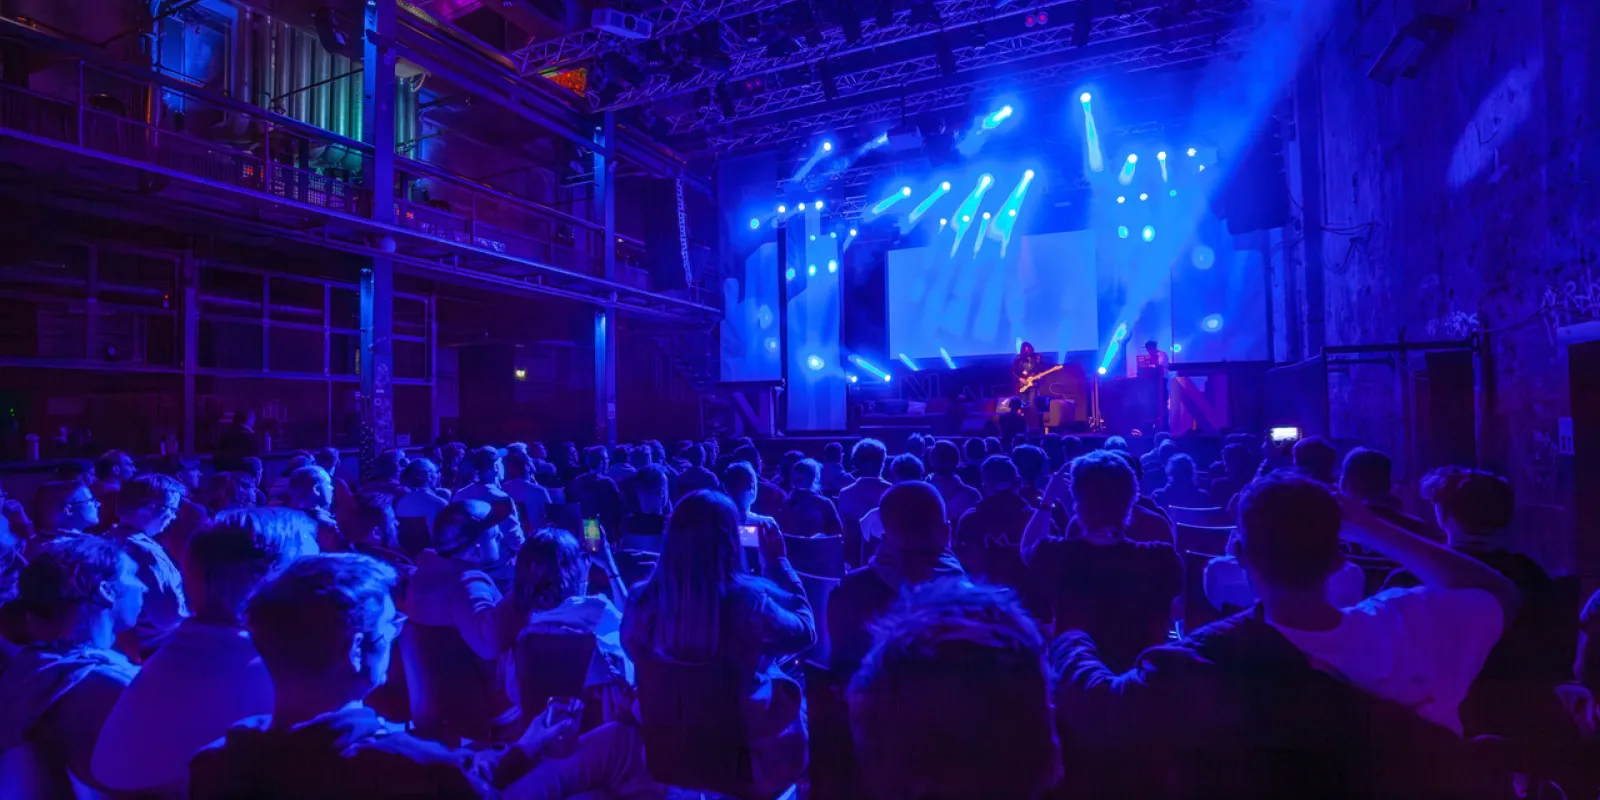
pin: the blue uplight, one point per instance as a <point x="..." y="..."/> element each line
<point x="811" y="270"/>
<point x="1122" y="233"/>
<point x="833" y="266"/>
<point x="1149" y="233"/>
<point x="754" y="223"/>
<point x="788" y="274"/>
<point x="815" y="363"/>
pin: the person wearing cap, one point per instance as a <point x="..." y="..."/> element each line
<point x="452" y="589"/>
<point x="484" y="472"/>
<point x="915" y="550"/>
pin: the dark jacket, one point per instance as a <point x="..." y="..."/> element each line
<point x="1236" y="710"/>
<point x="348" y="753"/>
<point x="808" y="513"/>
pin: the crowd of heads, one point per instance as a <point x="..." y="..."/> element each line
<point x="953" y="698"/>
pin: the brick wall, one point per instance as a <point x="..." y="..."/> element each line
<point x="1464" y="198"/>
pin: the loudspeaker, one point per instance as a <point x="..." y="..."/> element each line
<point x="1452" y="409"/>
<point x="665" y="228"/>
<point x="337" y="34"/>
<point x="1256" y="196"/>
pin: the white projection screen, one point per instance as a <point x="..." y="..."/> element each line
<point x="1041" y="291"/>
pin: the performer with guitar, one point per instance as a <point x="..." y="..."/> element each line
<point x="1027" y="368"/>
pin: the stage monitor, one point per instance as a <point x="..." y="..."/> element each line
<point x="1041" y="291"/>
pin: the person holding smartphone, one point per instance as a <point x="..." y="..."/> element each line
<point x="701" y="606"/>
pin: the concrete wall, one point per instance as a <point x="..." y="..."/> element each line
<point x="1466" y="198"/>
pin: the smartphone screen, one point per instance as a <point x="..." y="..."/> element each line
<point x="591" y="535"/>
<point x="749" y="536"/>
<point x="1285" y="434"/>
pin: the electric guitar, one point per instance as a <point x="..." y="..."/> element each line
<point x="1027" y="383"/>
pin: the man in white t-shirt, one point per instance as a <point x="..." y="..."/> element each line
<point x="1419" y="647"/>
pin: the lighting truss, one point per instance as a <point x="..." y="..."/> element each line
<point x="675" y="16"/>
<point x="1000" y="52"/>
<point x="1134" y="59"/>
<point x="753" y="62"/>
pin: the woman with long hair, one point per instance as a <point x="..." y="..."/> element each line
<point x="701" y="606"/>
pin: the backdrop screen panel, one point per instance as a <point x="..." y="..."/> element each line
<point x="1042" y="290"/>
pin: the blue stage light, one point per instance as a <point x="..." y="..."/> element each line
<point x="1212" y="323"/>
<point x="993" y="120"/>
<point x="815" y="363"/>
<point x="851" y="378"/>
<point x="985" y="215"/>
<point x="772" y="345"/>
<point x="1203" y="257"/>
<point x="1177" y="348"/>
<point x="1172" y="192"/>
<point x="852" y="231"/>
<point x="1085" y="97"/>
<point x="966" y="217"/>
<point x="833" y="234"/>
<point x="813" y="237"/>
<point x="1202" y="168"/>
<point x="1027" y="176"/>
<point x="801" y="207"/>
<point x="1191" y="151"/>
<point x="819" y="205"/>
<point x="788" y="274"/>
<point x="906" y="360"/>
<point x="943" y="221"/>
<point x="754" y="223"/>
<point x="833" y="266"/>
<point x="1133" y="158"/>
<point x="948" y="361"/>
<point x="1144" y="196"/>
<point x="1149" y="233"/>
<point x="867" y="367"/>
<point x="1161" y="156"/>
<point x="827" y="146"/>
<point x="783" y="209"/>
<point x="1129" y="167"/>
<point x="811" y="270"/>
<point x="945" y="186"/>
<point x="1100" y="370"/>
<point x="1011" y="212"/>
<point x="986" y="179"/>
<point x="1122" y="231"/>
<point x="1121" y="199"/>
<point x="905" y="191"/>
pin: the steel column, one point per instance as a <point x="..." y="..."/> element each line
<point x="377" y="280"/>
<point x="605" y="322"/>
<point x="188" y="283"/>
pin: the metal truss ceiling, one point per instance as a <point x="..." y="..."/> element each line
<point x="837" y="117"/>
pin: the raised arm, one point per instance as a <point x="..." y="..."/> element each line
<point x="1435" y="565"/>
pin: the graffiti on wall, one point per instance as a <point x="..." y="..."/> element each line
<point x="1569" y="302"/>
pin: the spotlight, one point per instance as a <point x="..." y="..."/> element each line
<point x="1177" y="348"/>
<point x="1133" y="158"/>
<point x="943" y="222"/>
<point x="853" y="379"/>
<point x="905" y="191"/>
<point x="966" y="217"/>
<point x="1172" y="192"/>
<point x="833" y="265"/>
<point x="1012" y="212"/>
<point x="945" y="186"/>
<point x="886" y="379"/>
<point x="827" y="147"/>
<point x="1122" y="233"/>
<point x="1161" y="156"/>
<point x="1084" y="98"/>
<point x="783" y="209"/>
<point x="986" y="179"/>
<point x="801" y="207"/>
<point x="1212" y="323"/>
<point x="788" y="274"/>
<point x="852" y="231"/>
<point x="818" y="204"/>
<point x="814" y="362"/>
<point x="1143" y="196"/>
<point x="754" y="223"/>
<point x="1028" y="175"/>
<point x="1121" y="199"/>
<point x="1149" y="233"/>
<point x="1191" y="151"/>
<point x="948" y="361"/>
<point x="813" y="237"/>
<point x="772" y="345"/>
<point x="985" y="215"/>
<point x="521" y="374"/>
<point x="811" y="270"/>
<point x="1100" y="370"/>
<point x="833" y="234"/>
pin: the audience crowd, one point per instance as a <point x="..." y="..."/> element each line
<point x="1057" y="619"/>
